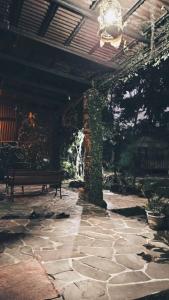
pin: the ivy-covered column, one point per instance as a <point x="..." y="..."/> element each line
<point x="93" y="147"/>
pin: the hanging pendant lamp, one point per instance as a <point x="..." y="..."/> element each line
<point x="111" y="23"/>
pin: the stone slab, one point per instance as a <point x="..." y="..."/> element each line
<point x="137" y="290"/>
<point x="89" y="271"/>
<point x="58" y="266"/>
<point x="102" y="264"/>
<point x="125" y="246"/>
<point x="27" y="281"/>
<point x="69" y="276"/>
<point x="95" y="229"/>
<point x="97" y="235"/>
<point x="105" y="252"/>
<point x="6" y="259"/>
<point x="83" y="241"/>
<point x="129" y="277"/>
<point x="101" y="243"/>
<point x="38" y="242"/>
<point x="158" y="270"/>
<point x="131" y="261"/>
<point x="86" y="290"/>
<point x="12" y="226"/>
<point x="50" y="255"/>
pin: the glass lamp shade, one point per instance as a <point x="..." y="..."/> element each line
<point x="111" y="25"/>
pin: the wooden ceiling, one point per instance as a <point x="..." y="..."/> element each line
<point x="59" y="39"/>
<point x="72" y="25"/>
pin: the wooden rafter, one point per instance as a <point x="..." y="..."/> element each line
<point x="134" y="35"/>
<point x="76" y="9"/>
<point x="94" y="48"/>
<point x="95" y="4"/>
<point x="122" y="51"/>
<point x="43" y="69"/>
<point x="133" y="9"/>
<point x="75" y="31"/>
<point x="52" y="9"/>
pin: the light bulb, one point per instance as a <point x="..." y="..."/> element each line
<point x="109" y="17"/>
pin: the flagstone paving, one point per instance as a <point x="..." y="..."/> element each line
<point x="93" y="254"/>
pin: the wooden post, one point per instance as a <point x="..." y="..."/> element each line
<point x="55" y="141"/>
<point x="92" y="118"/>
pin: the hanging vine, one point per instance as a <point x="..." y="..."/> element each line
<point x="94" y="146"/>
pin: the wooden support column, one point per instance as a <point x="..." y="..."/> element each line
<point x="92" y="117"/>
<point x="55" y="141"/>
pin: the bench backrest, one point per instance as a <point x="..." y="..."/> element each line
<point x="22" y="172"/>
<point x="34" y="176"/>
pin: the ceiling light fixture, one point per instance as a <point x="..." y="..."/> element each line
<point x="111" y="23"/>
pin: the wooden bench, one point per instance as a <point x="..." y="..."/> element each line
<point x="33" y="177"/>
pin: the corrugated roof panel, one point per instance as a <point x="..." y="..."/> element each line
<point x="33" y="12"/>
<point x="62" y="24"/>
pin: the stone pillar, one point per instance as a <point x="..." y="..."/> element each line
<point x="92" y="118"/>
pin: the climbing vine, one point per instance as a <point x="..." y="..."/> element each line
<point x="95" y="106"/>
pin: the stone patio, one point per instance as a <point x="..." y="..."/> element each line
<point x="88" y="253"/>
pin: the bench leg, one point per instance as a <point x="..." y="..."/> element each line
<point x="44" y="188"/>
<point x="7" y="189"/>
<point x="12" y="193"/>
<point x="56" y="191"/>
<point x="22" y="189"/>
<point x="60" y="193"/>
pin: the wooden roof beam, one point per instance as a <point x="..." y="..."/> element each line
<point x="52" y="9"/>
<point x="122" y="51"/>
<point x="44" y="69"/>
<point x="75" y="9"/>
<point x="12" y="94"/>
<point x="133" y="9"/>
<point x="74" y="32"/>
<point x="45" y="88"/>
<point x="134" y="35"/>
<point x="58" y="46"/>
<point x="94" y="48"/>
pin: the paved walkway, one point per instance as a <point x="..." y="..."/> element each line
<point x="92" y="254"/>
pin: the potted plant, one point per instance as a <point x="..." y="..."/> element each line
<point x="154" y="209"/>
<point x="155" y="216"/>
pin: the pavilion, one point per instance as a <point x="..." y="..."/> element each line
<point x="51" y="60"/>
